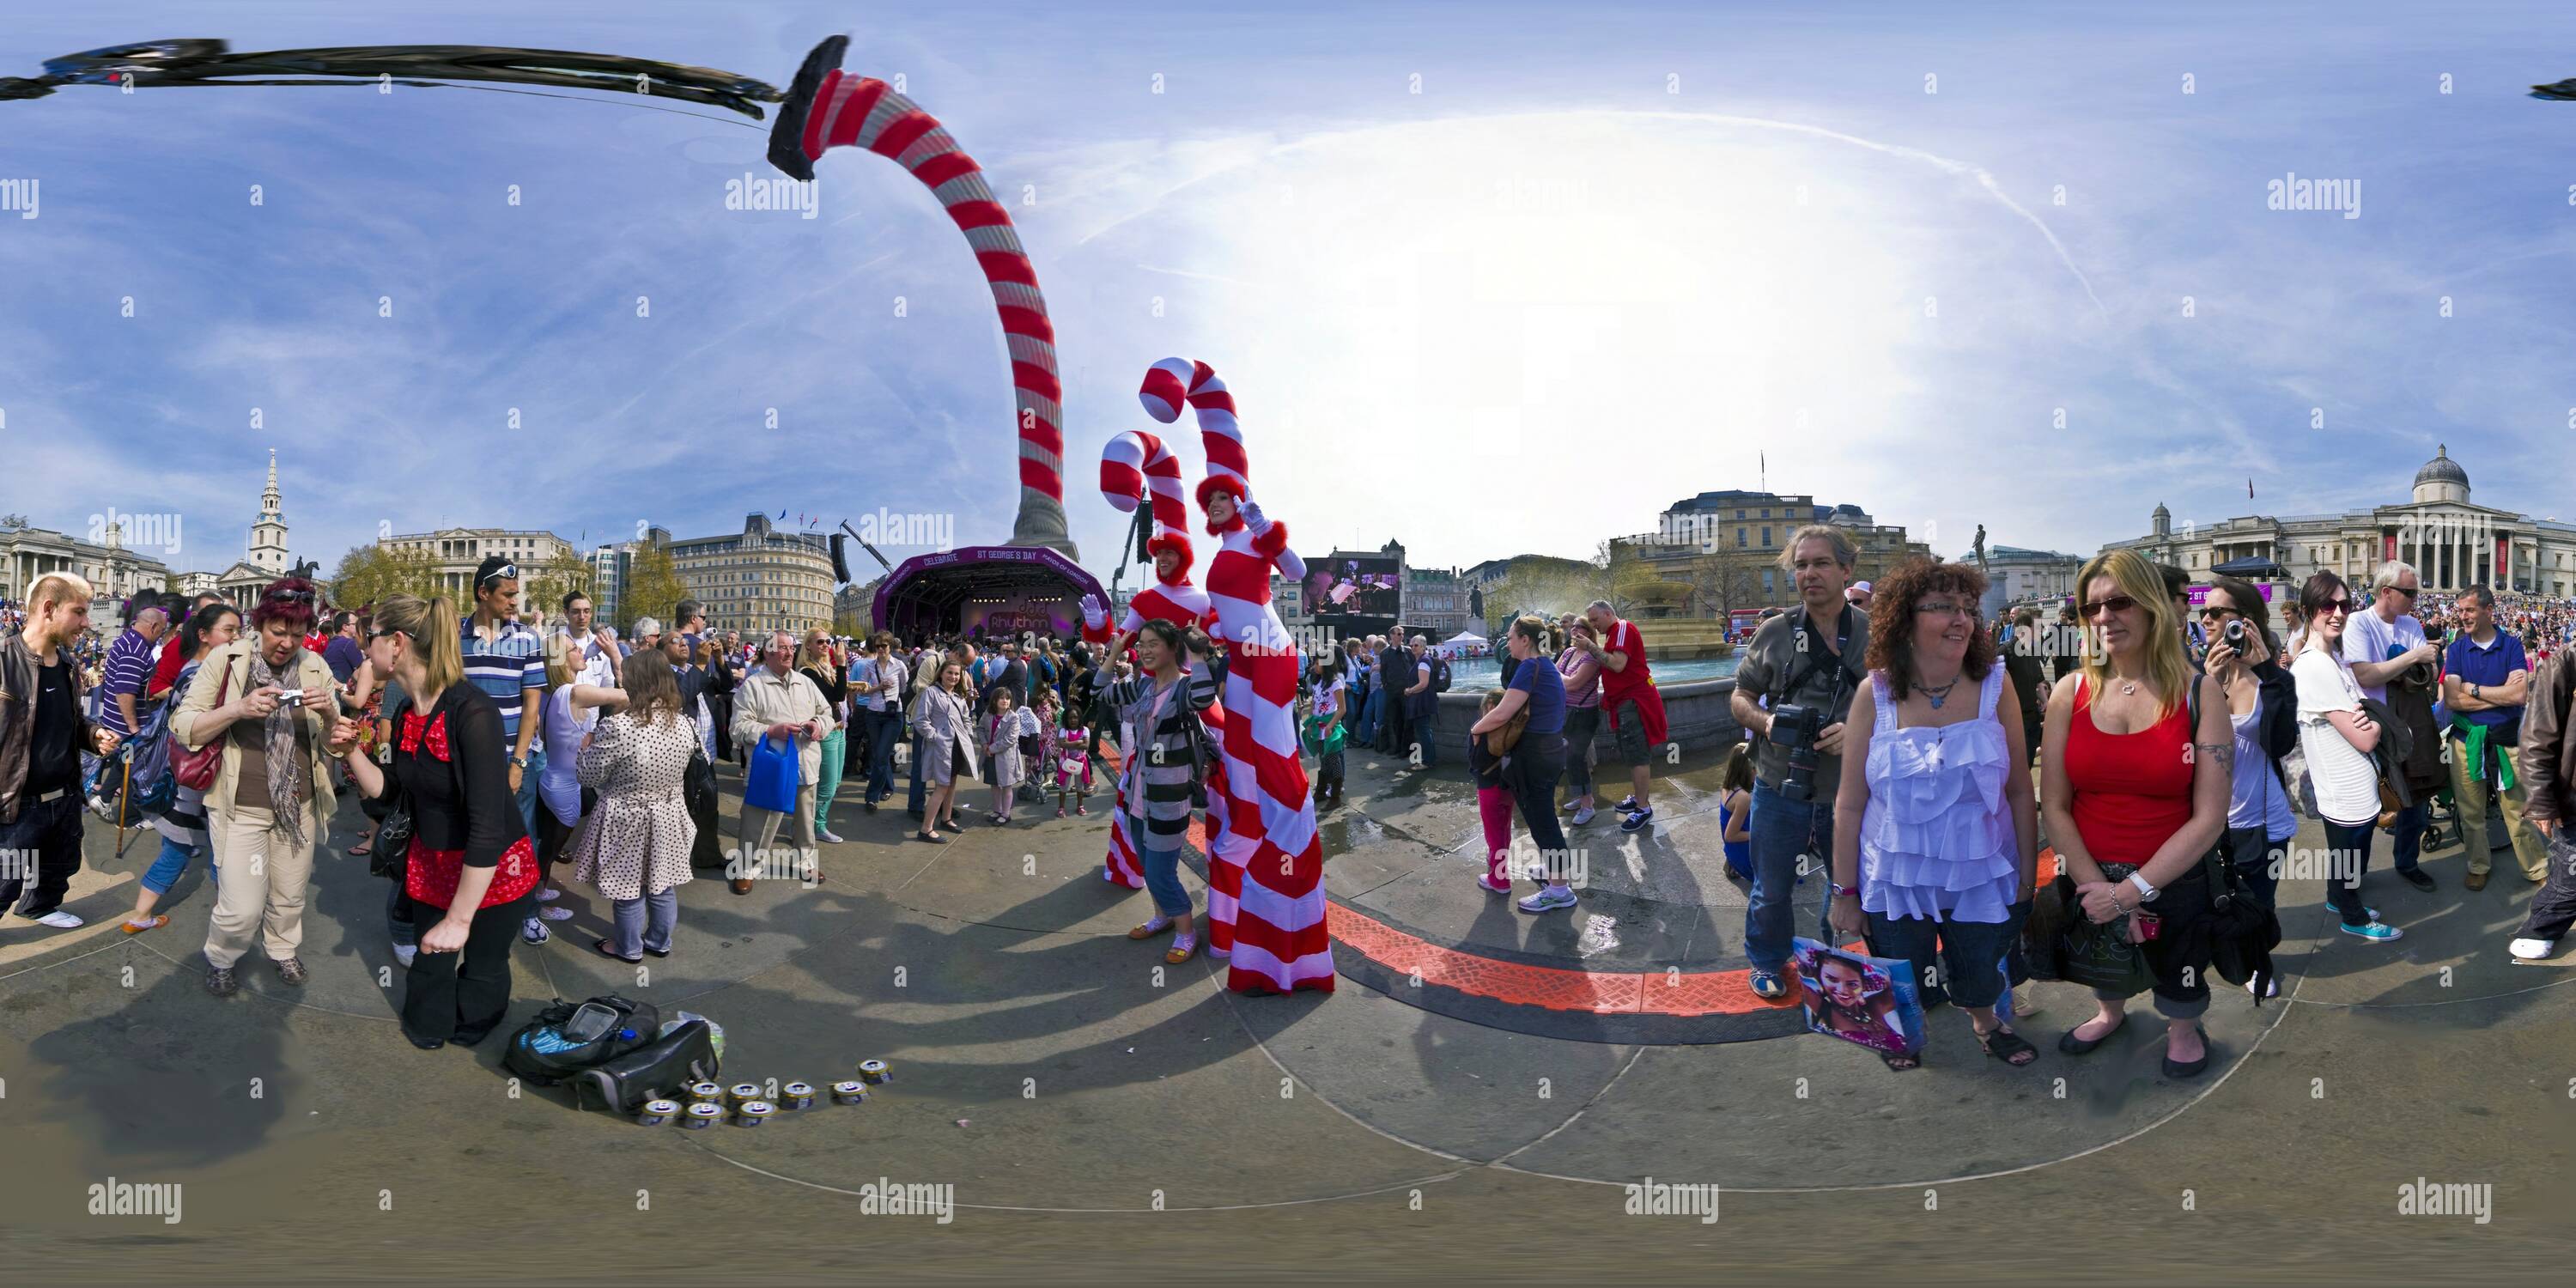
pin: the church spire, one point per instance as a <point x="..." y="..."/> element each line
<point x="268" y="500"/>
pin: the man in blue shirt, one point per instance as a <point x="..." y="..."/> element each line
<point x="343" y="654"/>
<point x="2485" y="681"/>
<point x="506" y="659"/>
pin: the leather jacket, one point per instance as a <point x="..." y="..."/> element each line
<point x="18" y="667"/>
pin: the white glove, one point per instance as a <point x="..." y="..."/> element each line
<point x="1093" y="614"/>
<point x="1252" y="518"/>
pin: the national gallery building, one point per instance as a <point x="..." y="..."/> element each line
<point x="2452" y="543"/>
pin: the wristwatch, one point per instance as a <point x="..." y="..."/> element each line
<point x="518" y="762"/>
<point x="1839" y="889"/>
<point x="2146" y="893"/>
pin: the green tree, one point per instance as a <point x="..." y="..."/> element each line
<point x="367" y="574"/>
<point x="561" y="575"/>
<point x="653" y="587"/>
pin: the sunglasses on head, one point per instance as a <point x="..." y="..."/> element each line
<point x="2115" y="604"/>
<point x="506" y="572"/>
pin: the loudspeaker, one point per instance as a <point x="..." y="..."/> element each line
<point x="840" y="565"/>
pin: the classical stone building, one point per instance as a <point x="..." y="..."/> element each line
<point x="112" y="570"/>
<point x="2452" y="542"/>
<point x="457" y="552"/>
<point x="2018" y="576"/>
<point x="1747" y="531"/>
<point x="760" y="579"/>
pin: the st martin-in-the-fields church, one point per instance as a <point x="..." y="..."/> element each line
<point x="265" y="559"/>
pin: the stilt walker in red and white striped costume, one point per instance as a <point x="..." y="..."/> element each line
<point x="1130" y="463"/>
<point x="1266" y="869"/>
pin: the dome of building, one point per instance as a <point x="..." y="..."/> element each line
<point x="2442" y="479"/>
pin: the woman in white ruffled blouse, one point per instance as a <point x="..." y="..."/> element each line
<point x="1947" y="844"/>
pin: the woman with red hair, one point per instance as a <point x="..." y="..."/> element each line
<point x="273" y="703"/>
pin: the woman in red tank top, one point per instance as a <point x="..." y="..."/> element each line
<point x="2126" y="784"/>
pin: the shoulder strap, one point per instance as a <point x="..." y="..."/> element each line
<point x="1991" y="693"/>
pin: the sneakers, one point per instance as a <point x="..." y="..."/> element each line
<point x="1638" y="821"/>
<point x="1081" y="810"/>
<point x="824" y="834"/>
<point x="2532" y="950"/>
<point x="1548" y="899"/>
<point x="59" y="920"/>
<point x="534" y="931"/>
<point x="555" y="914"/>
<point x="405" y="952"/>
<point x="1491" y="886"/>
<point x="1767" y="985"/>
<point x="1059" y="811"/>
<point x="1571" y="806"/>
<point x="222" y="982"/>
<point x="1628" y="804"/>
<point x="1583" y="816"/>
<point x="291" y="969"/>
<point x="548" y="894"/>
<point x="2379" y="931"/>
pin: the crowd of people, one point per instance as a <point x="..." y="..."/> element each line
<point x="2136" y="736"/>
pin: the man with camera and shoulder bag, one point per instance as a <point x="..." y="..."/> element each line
<point x="1792" y="688"/>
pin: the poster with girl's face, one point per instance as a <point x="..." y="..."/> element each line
<point x="1868" y="1000"/>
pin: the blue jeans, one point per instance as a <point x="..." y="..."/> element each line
<point x="882" y="727"/>
<point x="1363" y="728"/>
<point x="528" y="787"/>
<point x="1426" y="734"/>
<point x="632" y="935"/>
<point x="1162" y="868"/>
<point x="169" y="865"/>
<point x="1781" y="832"/>
<point x="2410" y="834"/>
<point x="1373" y="715"/>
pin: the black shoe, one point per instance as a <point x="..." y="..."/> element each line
<point x="2417" y="877"/>
<point x="2069" y="1044"/>
<point x="871" y="806"/>
<point x="425" y="1046"/>
<point x="787" y="137"/>
<point x="2177" y="1069"/>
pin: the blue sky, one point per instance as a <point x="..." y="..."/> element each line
<point x="1606" y="257"/>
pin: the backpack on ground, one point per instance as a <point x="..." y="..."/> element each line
<point x="566" y="1039"/>
<point x="685" y="1050"/>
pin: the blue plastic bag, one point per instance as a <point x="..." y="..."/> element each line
<point x="771" y="782"/>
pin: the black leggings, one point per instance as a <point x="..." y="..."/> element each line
<point x="1537" y="761"/>
<point x="552" y="834"/>
<point x="461" y="997"/>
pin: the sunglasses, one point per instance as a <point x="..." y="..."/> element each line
<point x="2407" y="592"/>
<point x="2115" y="604"/>
<point x="383" y="631"/>
<point x="506" y="572"/>
<point x="2339" y="605"/>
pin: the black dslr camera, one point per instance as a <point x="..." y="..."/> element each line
<point x="1795" y="727"/>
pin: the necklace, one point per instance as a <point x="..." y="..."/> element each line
<point x="1940" y="693"/>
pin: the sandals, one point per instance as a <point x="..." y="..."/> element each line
<point x="1901" y="1062"/>
<point x="1150" y="929"/>
<point x="2070" y="1044"/>
<point x="2005" y="1045"/>
<point x="154" y="922"/>
<point x="1183" y="948"/>
<point x="602" y="948"/>
<point x="933" y="837"/>
<point x="363" y="848"/>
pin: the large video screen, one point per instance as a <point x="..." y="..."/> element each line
<point x="1363" y="586"/>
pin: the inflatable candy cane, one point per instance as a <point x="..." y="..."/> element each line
<point x="1131" y="463"/>
<point x="1266" y="870"/>
<point x="826" y="109"/>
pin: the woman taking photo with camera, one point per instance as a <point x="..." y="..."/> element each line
<point x="2261" y="709"/>
<point x="273" y="703"/>
<point x="472" y="873"/>
<point x="2136" y="796"/>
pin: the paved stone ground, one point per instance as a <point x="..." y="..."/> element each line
<point x="1101" y="1117"/>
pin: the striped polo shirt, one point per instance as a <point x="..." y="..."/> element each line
<point x="1161" y="770"/>
<point x="504" y="665"/>
<point x="129" y="664"/>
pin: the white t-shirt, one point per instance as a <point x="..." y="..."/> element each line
<point x="2347" y="786"/>
<point x="2368" y="639"/>
<point x="1329" y="698"/>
